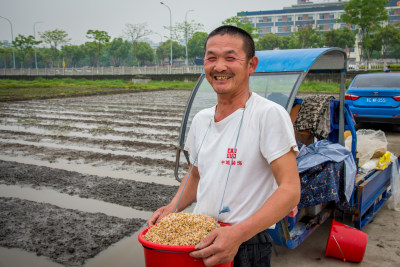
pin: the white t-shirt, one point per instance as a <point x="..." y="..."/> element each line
<point x="265" y="135"/>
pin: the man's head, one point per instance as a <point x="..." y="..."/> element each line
<point x="248" y="42"/>
<point x="229" y="60"/>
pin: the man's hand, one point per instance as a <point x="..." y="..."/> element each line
<point x="220" y="246"/>
<point x="159" y="214"/>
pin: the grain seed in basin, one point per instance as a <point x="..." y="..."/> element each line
<point x="181" y="229"/>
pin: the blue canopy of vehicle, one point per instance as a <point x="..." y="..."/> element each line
<point x="301" y="59"/>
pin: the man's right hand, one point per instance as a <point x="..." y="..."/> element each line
<point x="159" y="214"/>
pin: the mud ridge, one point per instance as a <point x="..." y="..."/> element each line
<point x="69" y="237"/>
<point x="32" y="137"/>
<point x="138" y="195"/>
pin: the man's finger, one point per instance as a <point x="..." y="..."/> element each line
<point x="153" y="219"/>
<point x="207" y="241"/>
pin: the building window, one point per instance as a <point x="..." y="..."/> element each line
<point x="289" y="18"/>
<point x="265" y="29"/>
<point x="326" y="27"/>
<point x="322" y="16"/>
<point x="282" y="29"/>
<point x="279" y="18"/>
<point x="300" y="17"/>
<point x="264" y="19"/>
<point x="310" y="17"/>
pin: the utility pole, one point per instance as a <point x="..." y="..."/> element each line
<point x="170" y="33"/>
<point x="34" y="36"/>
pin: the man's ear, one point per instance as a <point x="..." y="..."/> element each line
<point x="253" y="62"/>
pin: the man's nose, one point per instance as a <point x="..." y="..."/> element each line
<point x="220" y="65"/>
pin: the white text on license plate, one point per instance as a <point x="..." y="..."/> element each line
<point x="376" y="100"/>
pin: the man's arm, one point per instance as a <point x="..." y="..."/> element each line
<point x="222" y="244"/>
<point x="188" y="197"/>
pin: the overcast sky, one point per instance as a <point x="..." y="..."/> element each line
<point x="77" y="16"/>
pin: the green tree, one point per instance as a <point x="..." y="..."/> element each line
<point x="269" y="41"/>
<point x="6" y="59"/>
<point x="73" y="54"/>
<point x="134" y="32"/>
<point x="243" y="24"/>
<point x="100" y="39"/>
<point x="54" y="38"/>
<point x="163" y="51"/>
<point x="144" y="53"/>
<point x="91" y="52"/>
<point x="343" y="38"/>
<point x="290" y="42"/>
<point x="388" y="37"/>
<point x="308" y="37"/>
<point x="45" y="57"/>
<point x="118" y="50"/>
<point x="394" y="51"/>
<point x="196" y="45"/>
<point x="367" y="15"/>
<point x="25" y="44"/>
<point x="183" y="32"/>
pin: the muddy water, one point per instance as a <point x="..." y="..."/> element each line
<point x="103" y="162"/>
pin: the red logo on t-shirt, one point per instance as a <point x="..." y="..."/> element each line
<point x="231" y="154"/>
<point x="231" y="158"/>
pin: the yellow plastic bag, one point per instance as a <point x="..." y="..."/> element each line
<point x="384" y="161"/>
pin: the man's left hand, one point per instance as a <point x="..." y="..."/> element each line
<point x="220" y="246"/>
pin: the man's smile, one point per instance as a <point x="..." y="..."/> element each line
<point x="221" y="78"/>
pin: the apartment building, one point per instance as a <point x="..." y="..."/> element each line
<point x="321" y="15"/>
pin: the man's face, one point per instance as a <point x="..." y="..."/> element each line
<point x="225" y="64"/>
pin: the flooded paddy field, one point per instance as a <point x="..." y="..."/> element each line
<point x="80" y="176"/>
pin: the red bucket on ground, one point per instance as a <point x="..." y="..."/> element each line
<point x="346" y="243"/>
<point x="156" y="255"/>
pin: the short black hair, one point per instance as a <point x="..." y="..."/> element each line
<point x="248" y="42"/>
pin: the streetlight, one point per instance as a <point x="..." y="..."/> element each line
<point x="170" y="31"/>
<point x="12" y="37"/>
<point x="186" y="35"/>
<point x="34" y="36"/>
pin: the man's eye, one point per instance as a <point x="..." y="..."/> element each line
<point x="230" y="58"/>
<point x="211" y="59"/>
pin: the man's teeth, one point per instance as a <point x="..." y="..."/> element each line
<point x="221" y="77"/>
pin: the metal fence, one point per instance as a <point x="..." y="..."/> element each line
<point x="138" y="70"/>
<point x="102" y="71"/>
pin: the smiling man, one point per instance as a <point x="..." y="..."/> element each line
<point x="243" y="153"/>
